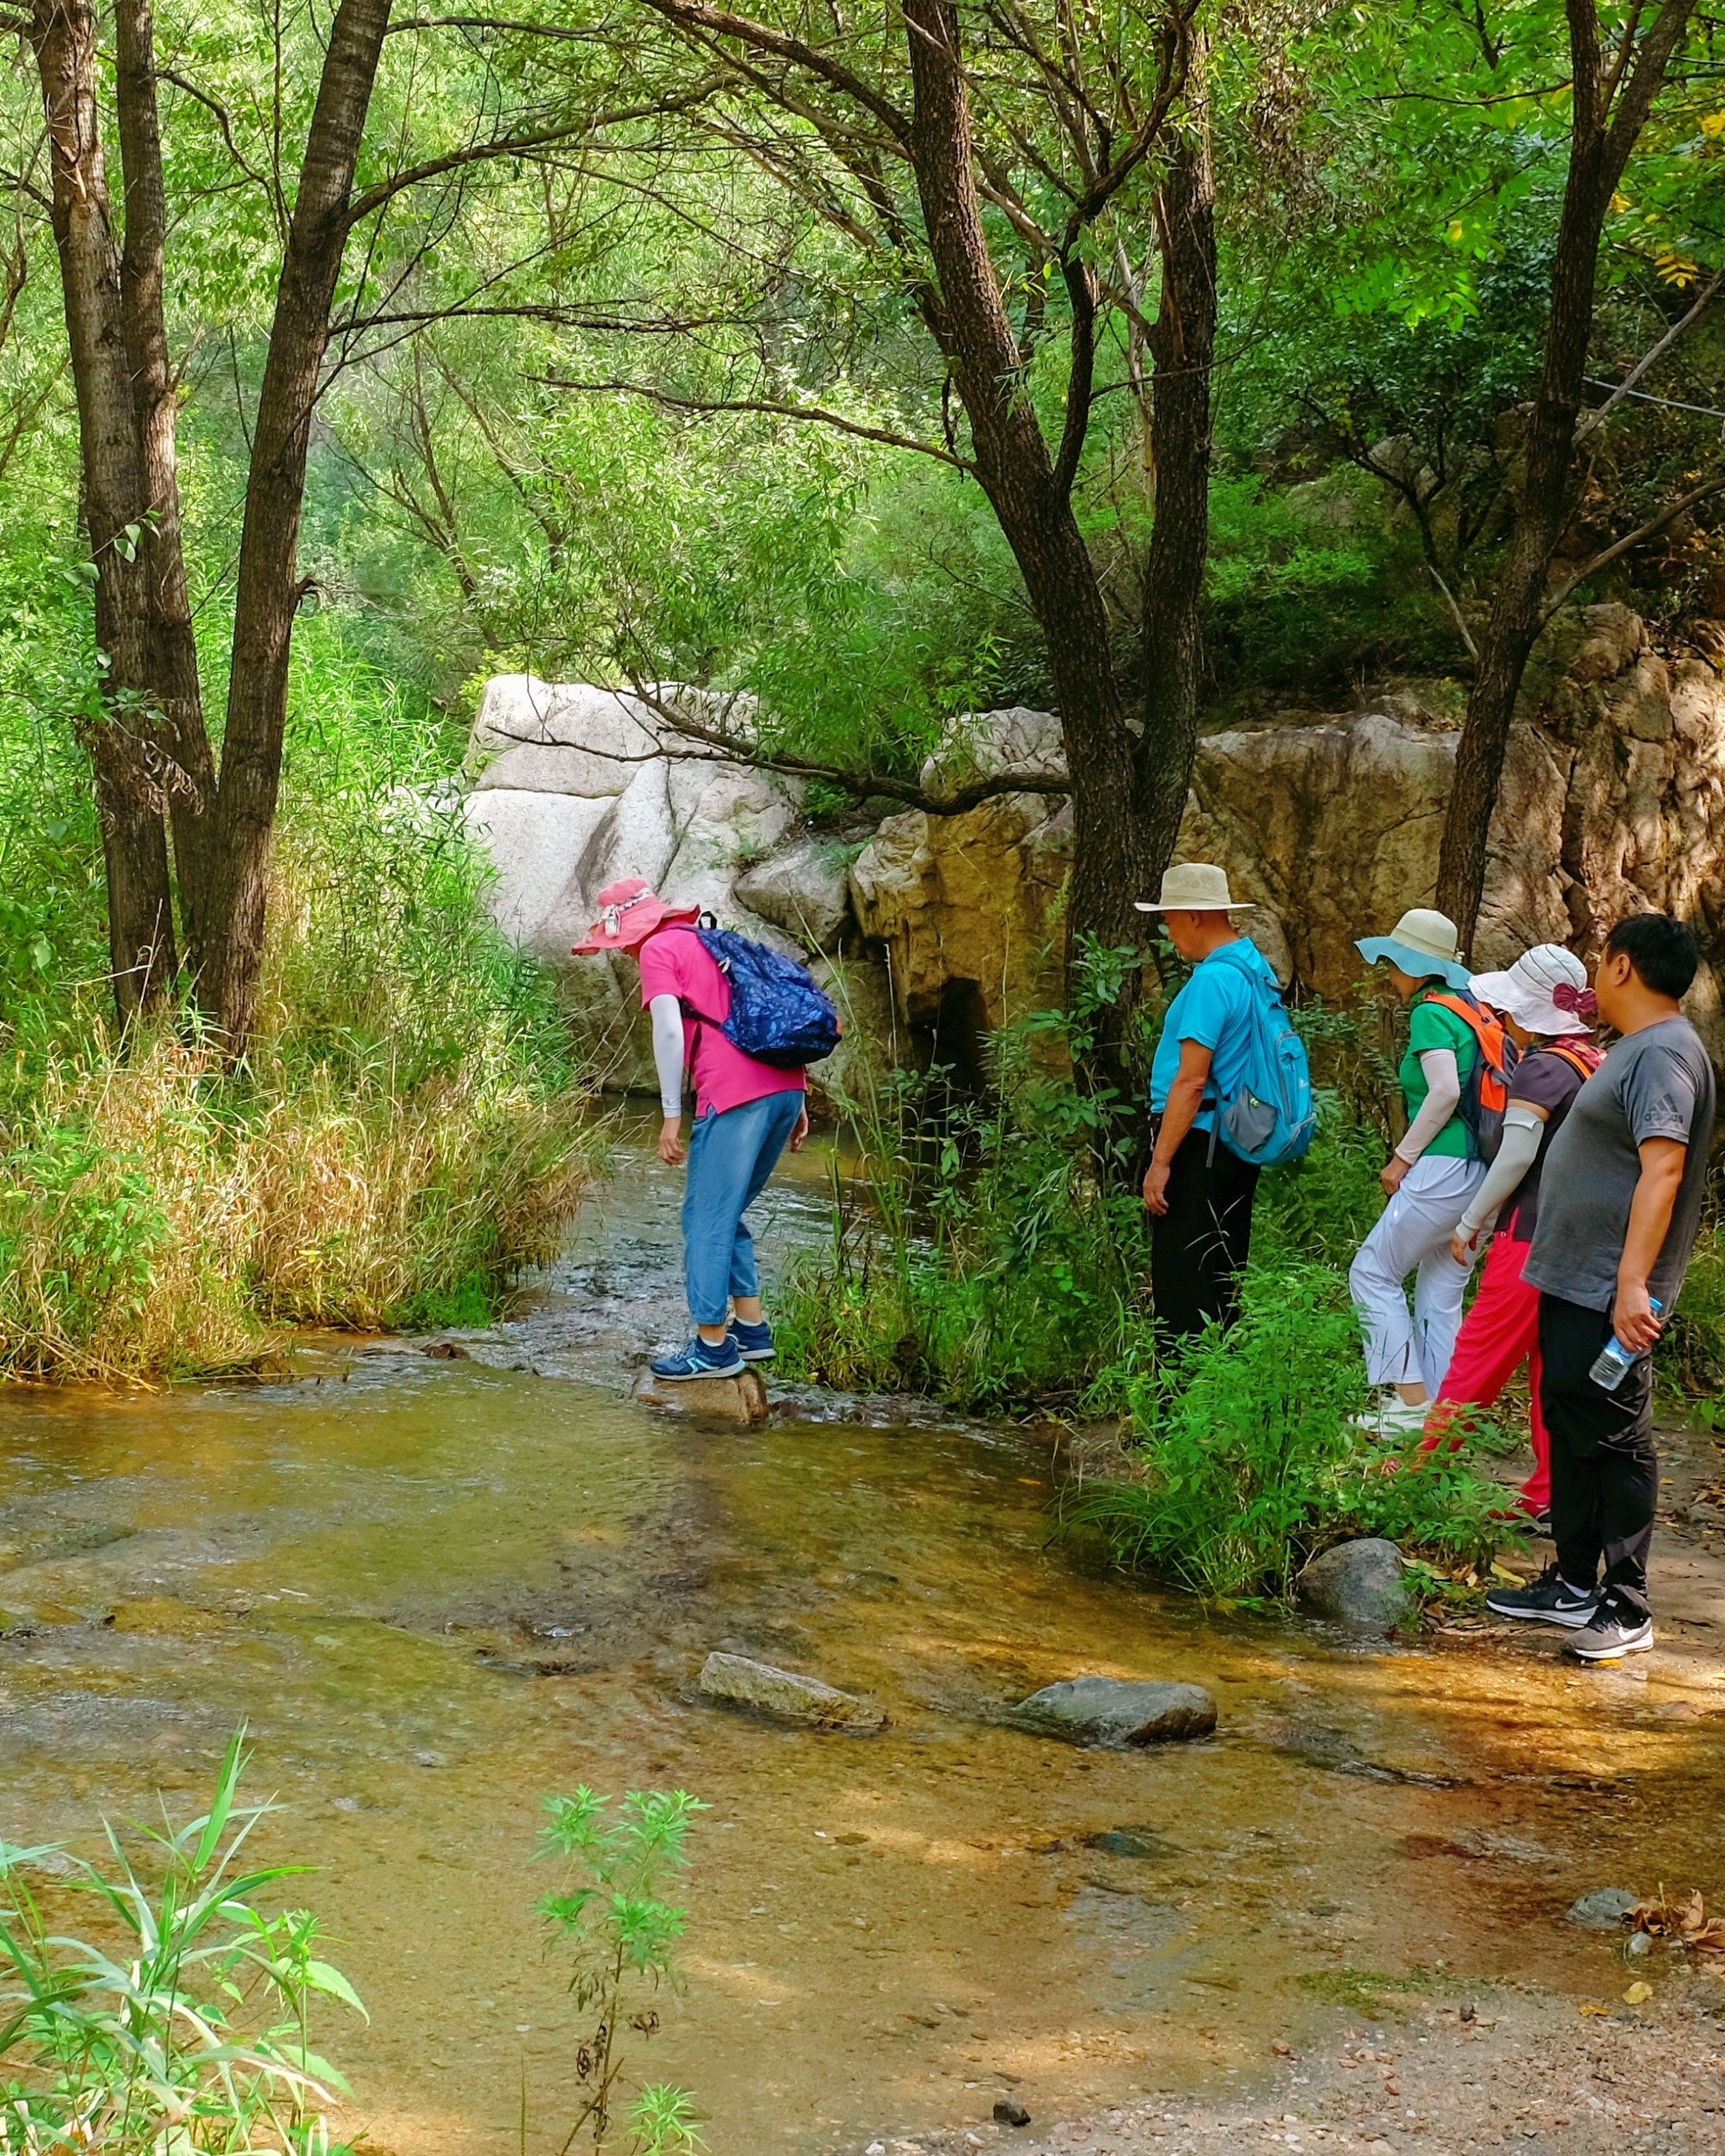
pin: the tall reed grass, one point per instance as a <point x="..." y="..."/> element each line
<point x="405" y="1133"/>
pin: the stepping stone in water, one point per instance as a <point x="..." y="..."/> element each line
<point x="784" y="1692"/>
<point x="1116" y="1711"/>
<point x="734" y="1399"/>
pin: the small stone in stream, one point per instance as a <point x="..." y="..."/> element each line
<point x="1604" y="1910"/>
<point x="741" y="1399"/>
<point x="447" y="1351"/>
<point x="1143" y="1842"/>
<point x="1010" y="2111"/>
<point x="1116" y="1711"/>
<point x="784" y="1692"/>
<point x="1358" y="1582"/>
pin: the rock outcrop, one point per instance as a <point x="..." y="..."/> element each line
<point x="573" y="788"/>
<point x="1613" y="798"/>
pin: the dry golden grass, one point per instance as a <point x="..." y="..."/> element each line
<point x="157" y="1216"/>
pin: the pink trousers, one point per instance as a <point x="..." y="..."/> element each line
<point x="1498" y="1336"/>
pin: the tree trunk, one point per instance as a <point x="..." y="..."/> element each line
<point x="188" y="771"/>
<point x="123" y="739"/>
<point x="1032" y="501"/>
<point x="1183" y="347"/>
<point x="1600" y="146"/>
<point x="268" y="593"/>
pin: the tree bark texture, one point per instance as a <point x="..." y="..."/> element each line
<point x="123" y="740"/>
<point x="1601" y="143"/>
<point x="188" y="772"/>
<point x="269" y="591"/>
<point x="1111" y="835"/>
<point x="1182" y="340"/>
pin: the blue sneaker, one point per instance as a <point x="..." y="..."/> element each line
<point x="753" y="1343"/>
<point x="698" y="1360"/>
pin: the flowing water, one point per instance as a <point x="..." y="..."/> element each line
<point x="437" y="1591"/>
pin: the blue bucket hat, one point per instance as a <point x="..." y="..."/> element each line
<point x="1422" y="943"/>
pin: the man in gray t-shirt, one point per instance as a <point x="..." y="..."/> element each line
<point x="1620" y="1204"/>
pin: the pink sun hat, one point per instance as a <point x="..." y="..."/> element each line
<point x="629" y="912"/>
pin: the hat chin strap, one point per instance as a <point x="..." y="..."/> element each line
<point x="611" y="917"/>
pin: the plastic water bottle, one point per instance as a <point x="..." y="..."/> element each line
<point x="1613" y="1362"/>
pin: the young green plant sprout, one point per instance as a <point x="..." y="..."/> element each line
<point x="189" y="2036"/>
<point x="621" y="1938"/>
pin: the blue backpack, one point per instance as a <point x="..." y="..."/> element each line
<point x="1271" y="1119"/>
<point x="777" y="1014"/>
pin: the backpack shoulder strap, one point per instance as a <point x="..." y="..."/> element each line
<point x="1486" y="1031"/>
<point x="1576" y="1062"/>
<point x="1261" y="979"/>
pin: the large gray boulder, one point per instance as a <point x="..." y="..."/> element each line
<point x="1359" y="1583"/>
<point x="805" y="890"/>
<point x="786" y="1693"/>
<point x="1116" y="1711"/>
<point x="574" y="787"/>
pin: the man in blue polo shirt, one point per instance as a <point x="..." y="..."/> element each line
<point x="1199" y="1193"/>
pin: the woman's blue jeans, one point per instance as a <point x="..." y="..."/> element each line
<point x="730" y="1157"/>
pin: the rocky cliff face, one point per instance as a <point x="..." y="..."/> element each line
<point x="1613" y="801"/>
<point x="937" y="928"/>
<point x="575" y="787"/>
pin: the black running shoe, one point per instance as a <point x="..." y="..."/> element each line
<point x="1612" y="1632"/>
<point x="1548" y="1601"/>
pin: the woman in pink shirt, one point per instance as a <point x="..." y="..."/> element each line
<point x="746" y="1113"/>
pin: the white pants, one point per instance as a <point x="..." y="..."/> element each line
<point x="1413" y="1236"/>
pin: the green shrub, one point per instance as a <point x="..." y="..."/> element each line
<point x="1689" y="1362"/>
<point x="621" y="1937"/>
<point x="1244" y="1463"/>
<point x="193" y="2036"/>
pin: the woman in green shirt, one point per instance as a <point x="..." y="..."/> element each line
<point x="1428" y="1180"/>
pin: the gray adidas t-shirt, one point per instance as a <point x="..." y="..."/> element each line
<point x="1655" y="1084"/>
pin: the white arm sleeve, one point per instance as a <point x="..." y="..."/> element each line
<point x="1517" y="1151"/>
<point x="1444" y="1091"/>
<point x="667" y="1053"/>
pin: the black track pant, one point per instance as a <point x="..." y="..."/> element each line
<point x="1605" y="1470"/>
<point x="1199" y="1246"/>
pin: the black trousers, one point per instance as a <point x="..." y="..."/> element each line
<point x="1605" y="1470"/>
<point x="1199" y="1246"/>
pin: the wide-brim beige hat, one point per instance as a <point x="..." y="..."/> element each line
<point x="1195" y="887"/>
<point x="1423" y="942"/>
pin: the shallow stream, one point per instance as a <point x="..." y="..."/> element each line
<point x="438" y="1590"/>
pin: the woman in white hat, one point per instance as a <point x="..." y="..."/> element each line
<point x="1429" y="1179"/>
<point x="1548" y="1009"/>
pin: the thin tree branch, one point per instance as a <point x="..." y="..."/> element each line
<point x="222" y="120"/>
<point x="515" y="145"/>
<point x="498" y="22"/>
<point x="720" y="22"/>
<point x="1461" y="629"/>
<point x="1598" y="417"/>
<point x="1643" y="532"/>
<point x="858" y="781"/>
<point x="787" y="411"/>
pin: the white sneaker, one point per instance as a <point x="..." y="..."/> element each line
<point x="1392" y="1419"/>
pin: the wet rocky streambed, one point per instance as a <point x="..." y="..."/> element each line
<point x="438" y="1590"/>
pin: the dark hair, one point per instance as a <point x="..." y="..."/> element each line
<point x="1661" y="949"/>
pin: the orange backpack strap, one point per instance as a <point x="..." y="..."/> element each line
<point x="1493" y="1044"/>
<point x="1487" y="1031"/>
